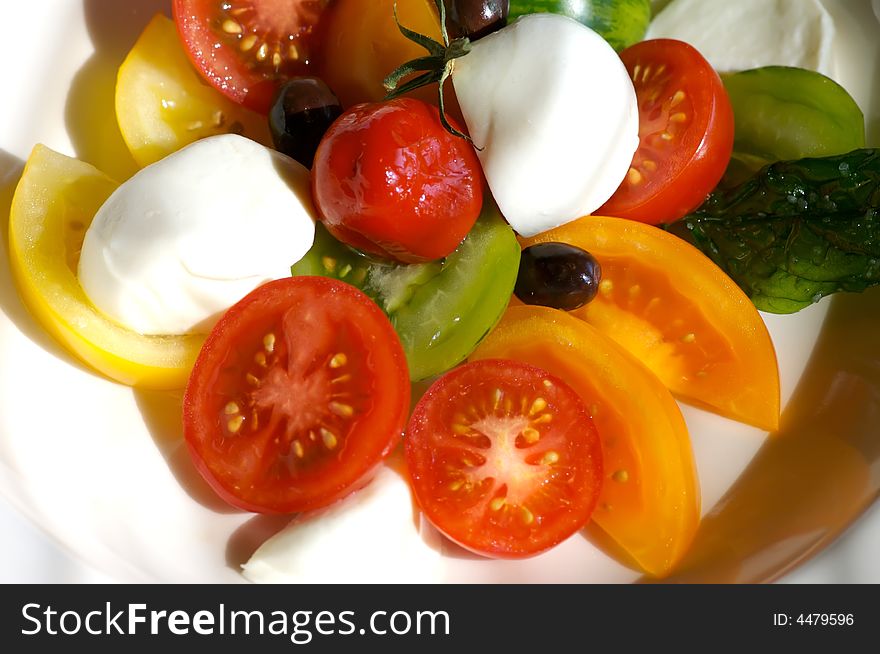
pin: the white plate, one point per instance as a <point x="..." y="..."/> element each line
<point x="101" y="468"/>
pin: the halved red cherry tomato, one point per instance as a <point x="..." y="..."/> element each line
<point x="388" y="179"/>
<point x="504" y="458"/>
<point x="245" y="48"/>
<point x="299" y="392"/>
<point x="685" y="132"/>
<point x="650" y="501"/>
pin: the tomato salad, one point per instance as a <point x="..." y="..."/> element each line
<point x="433" y="256"/>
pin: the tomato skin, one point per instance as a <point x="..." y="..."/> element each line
<point x="362" y="44"/>
<point x="686" y="131"/>
<point x="388" y="179"/>
<point x="650" y="500"/>
<point x="668" y="304"/>
<point x="504" y="458"/>
<point x="219" y="53"/>
<point x="299" y="393"/>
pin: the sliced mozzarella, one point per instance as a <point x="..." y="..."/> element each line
<point x="370" y="537"/>
<point x="189" y="236"/>
<point x="740" y="34"/>
<point x="555" y="112"/>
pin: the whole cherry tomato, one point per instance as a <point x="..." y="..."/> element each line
<point x="388" y="179"/>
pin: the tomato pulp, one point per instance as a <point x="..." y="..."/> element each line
<point x="299" y="392"/>
<point x="504" y="458"/>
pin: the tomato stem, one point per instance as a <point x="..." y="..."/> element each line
<point x="439" y="66"/>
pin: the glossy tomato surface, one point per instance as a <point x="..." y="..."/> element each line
<point x="504" y="458"/>
<point x="650" y="499"/>
<point x="299" y="392"/>
<point x="685" y="133"/>
<point x="389" y="180"/>
<point x="246" y="48"/>
<point x="679" y="314"/>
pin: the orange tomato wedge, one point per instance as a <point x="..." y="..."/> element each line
<point x="650" y="500"/>
<point x="679" y="314"/>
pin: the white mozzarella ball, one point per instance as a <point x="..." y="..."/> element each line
<point x="189" y="236"/>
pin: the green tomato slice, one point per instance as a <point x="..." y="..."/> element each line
<point x="441" y="310"/>
<point x="783" y="113"/>
<point x="620" y="22"/>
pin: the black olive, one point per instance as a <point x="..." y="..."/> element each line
<point x="475" y="18"/>
<point x="303" y="109"/>
<point x="557" y="275"/>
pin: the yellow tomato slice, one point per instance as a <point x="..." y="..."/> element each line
<point x="650" y="502"/>
<point x="678" y="313"/>
<point x="54" y="204"/>
<point x="162" y="104"/>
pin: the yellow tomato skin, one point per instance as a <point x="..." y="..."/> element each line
<point x="53" y="205"/>
<point x="650" y="501"/>
<point x="362" y="45"/>
<point x="678" y="313"/>
<point x="162" y="104"/>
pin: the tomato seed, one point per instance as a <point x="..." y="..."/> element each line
<point x="531" y="435"/>
<point x="341" y="410"/>
<point x="537" y="406"/>
<point x="329" y="438"/>
<point x="248" y="42"/>
<point x="231" y="27"/>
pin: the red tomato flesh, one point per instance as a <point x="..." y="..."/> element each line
<point x="504" y="458"/>
<point x="246" y="48"/>
<point x="388" y="179"/>
<point x="299" y="392"/>
<point x="685" y="133"/>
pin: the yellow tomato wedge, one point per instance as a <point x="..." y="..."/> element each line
<point x="680" y="315"/>
<point x="162" y="104"/>
<point x="650" y="502"/>
<point x="54" y="204"/>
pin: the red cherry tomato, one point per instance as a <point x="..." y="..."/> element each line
<point x="246" y="48"/>
<point x="504" y="458"/>
<point x="299" y="392"/>
<point x="685" y="132"/>
<point x="388" y="179"/>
